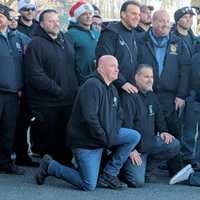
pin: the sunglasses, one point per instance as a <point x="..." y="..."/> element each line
<point x="27" y="9"/>
<point x="14" y="18"/>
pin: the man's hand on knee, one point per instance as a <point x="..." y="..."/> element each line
<point x="135" y="157"/>
<point x="167" y="137"/>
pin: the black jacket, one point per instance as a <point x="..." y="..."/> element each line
<point x="96" y="116"/>
<point x="175" y="74"/>
<point x="139" y="29"/>
<point x="194" y="40"/>
<point x="111" y="42"/>
<point x="195" y="74"/>
<point x="50" y="70"/>
<point x="27" y="30"/>
<point x="143" y="113"/>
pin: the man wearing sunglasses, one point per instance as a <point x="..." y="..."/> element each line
<point x="27" y="23"/>
<point x="26" y="26"/>
<point x="13" y="20"/>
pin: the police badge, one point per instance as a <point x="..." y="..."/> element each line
<point x="173" y="49"/>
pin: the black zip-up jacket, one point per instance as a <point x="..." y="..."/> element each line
<point x="111" y="42"/>
<point x="175" y="74"/>
<point x="143" y="113"/>
<point x="194" y="40"/>
<point x="28" y="30"/>
<point x="96" y="116"/>
<point x="50" y="70"/>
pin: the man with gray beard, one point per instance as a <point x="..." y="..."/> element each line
<point x="142" y="112"/>
<point x="170" y="60"/>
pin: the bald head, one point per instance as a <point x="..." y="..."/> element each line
<point x="108" y="68"/>
<point x="104" y="60"/>
<point x="161" y="23"/>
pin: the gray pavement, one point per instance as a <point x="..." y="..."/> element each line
<point x="24" y="188"/>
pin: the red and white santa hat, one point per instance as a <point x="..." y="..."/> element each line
<point x="79" y="8"/>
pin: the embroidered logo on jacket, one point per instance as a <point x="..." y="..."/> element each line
<point x="114" y="104"/>
<point x="122" y="42"/>
<point x="150" y="110"/>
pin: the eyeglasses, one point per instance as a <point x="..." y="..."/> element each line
<point x="27" y="9"/>
<point x="16" y="18"/>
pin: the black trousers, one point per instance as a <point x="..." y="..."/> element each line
<point x="174" y="125"/>
<point x="49" y="132"/>
<point x="9" y="107"/>
<point x="23" y="122"/>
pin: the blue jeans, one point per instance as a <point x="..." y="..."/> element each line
<point x="136" y="174"/>
<point x="190" y="139"/>
<point x="88" y="161"/>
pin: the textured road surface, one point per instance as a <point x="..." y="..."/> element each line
<point x="24" y="188"/>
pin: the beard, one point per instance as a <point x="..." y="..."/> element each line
<point x="53" y="33"/>
<point x="184" y="28"/>
<point x="26" y="19"/>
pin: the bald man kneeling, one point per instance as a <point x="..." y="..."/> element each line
<point x="95" y="125"/>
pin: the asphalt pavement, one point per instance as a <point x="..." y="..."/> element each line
<point x="24" y="188"/>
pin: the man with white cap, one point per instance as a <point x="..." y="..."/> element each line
<point x="85" y="38"/>
<point x="27" y="23"/>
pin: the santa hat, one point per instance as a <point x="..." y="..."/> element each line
<point x="79" y="8"/>
<point x="26" y="4"/>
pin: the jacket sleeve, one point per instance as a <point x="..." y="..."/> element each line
<point x="195" y="74"/>
<point x="107" y="45"/>
<point x="129" y="109"/>
<point x="185" y="65"/>
<point x="160" y="123"/>
<point x="90" y="100"/>
<point x="35" y="74"/>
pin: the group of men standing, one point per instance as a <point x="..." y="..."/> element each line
<point x="123" y="89"/>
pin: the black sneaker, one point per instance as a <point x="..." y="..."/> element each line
<point x="11" y="168"/>
<point x="42" y="172"/>
<point x="151" y="178"/>
<point x="108" y="181"/>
